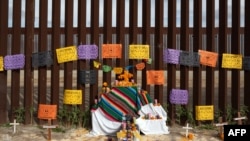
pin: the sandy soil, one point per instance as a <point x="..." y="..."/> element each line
<point x="37" y="133"/>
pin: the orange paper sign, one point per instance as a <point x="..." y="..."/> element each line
<point x="155" y="77"/>
<point x="47" y="111"/>
<point x="208" y="58"/>
<point x="111" y="51"/>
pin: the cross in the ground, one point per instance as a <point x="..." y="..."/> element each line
<point x="239" y="119"/>
<point x="187" y="128"/>
<point x="49" y="126"/>
<point x="14" y="125"/>
<point x="221" y="124"/>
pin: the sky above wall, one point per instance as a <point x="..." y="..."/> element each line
<point x="101" y="13"/>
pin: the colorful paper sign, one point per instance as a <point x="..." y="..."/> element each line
<point x="178" y="96"/>
<point x="231" y="61"/>
<point x="204" y="112"/>
<point x="246" y="63"/>
<point x="171" y="56"/>
<point x="87" y="52"/>
<point x="1" y="63"/>
<point x="106" y="68"/>
<point x="138" y="51"/>
<point x="66" y="54"/>
<point x="12" y="62"/>
<point x="112" y="51"/>
<point x="155" y="77"/>
<point x="72" y="97"/>
<point x="46" y="111"/>
<point x="190" y="59"/>
<point x="96" y="64"/>
<point x="87" y="76"/>
<point x="140" y="66"/>
<point x="41" y="59"/>
<point x="208" y="58"/>
<point x="118" y="70"/>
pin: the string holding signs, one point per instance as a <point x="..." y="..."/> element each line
<point x="208" y="58"/>
<point x="72" y="97"/>
<point x="204" y="112"/>
<point x="42" y="59"/>
<point x="191" y="59"/>
<point x="87" y="52"/>
<point x="12" y="62"/>
<point x="112" y="51"/>
<point x="178" y="96"/>
<point x="138" y="51"/>
<point x="1" y="63"/>
<point x="155" y="77"/>
<point x="171" y="56"/>
<point x="87" y="76"/>
<point x="47" y="112"/>
<point x="232" y="61"/>
<point x="66" y="54"/>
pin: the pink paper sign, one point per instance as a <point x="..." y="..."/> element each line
<point x="178" y="96"/>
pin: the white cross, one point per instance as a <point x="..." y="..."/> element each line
<point x="221" y="125"/>
<point x="49" y="127"/>
<point x="239" y="118"/>
<point x="14" y="125"/>
<point x="187" y="128"/>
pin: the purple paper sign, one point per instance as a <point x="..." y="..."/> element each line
<point x="12" y="62"/>
<point x="178" y="96"/>
<point x="171" y="56"/>
<point x="87" y="52"/>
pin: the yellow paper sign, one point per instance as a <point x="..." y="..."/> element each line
<point x="208" y="58"/>
<point x="118" y="70"/>
<point x="155" y="77"/>
<point x="47" y="111"/>
<point x="1" y="63"/>
<point x="138" y="51"/>
<point x="66" y="54"/>
<point x="204" y="112"/>
<point x="112" y="51"/>
<point x="233" y="61"/>
<point x="72" y="97"/>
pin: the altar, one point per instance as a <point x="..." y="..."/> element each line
<point x="111" y="107"/>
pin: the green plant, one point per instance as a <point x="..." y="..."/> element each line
<point x="86" y="118"/>
<point x="19" y="114"/>
<point x="59" y="130"/>
<point x="32" y="110"/>
<point x="75" y="115"/>
<point x="184" y="112"/>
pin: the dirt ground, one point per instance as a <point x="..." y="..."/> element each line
<point x="38" y="133"/>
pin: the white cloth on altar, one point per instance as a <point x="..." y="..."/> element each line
<point x="103" y="126"/>
<point x="155" y="126"/>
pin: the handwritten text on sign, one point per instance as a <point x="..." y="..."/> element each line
<point x="47" y="111"/>
<point x="204" y="112"/>
<point x="72" y="97"/>
<point x="66" y="54"/>
<point x="111" y="51"/>
<point x="138" y="51"/>
<point x="233" y="61"/>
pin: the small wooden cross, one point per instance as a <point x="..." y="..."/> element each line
<point x="221" y="124"/>
<point x="239" y="119"/>
<point x="14" y="125"/>
<point x="49" y="127"/>
<point x="187" y="128"/>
